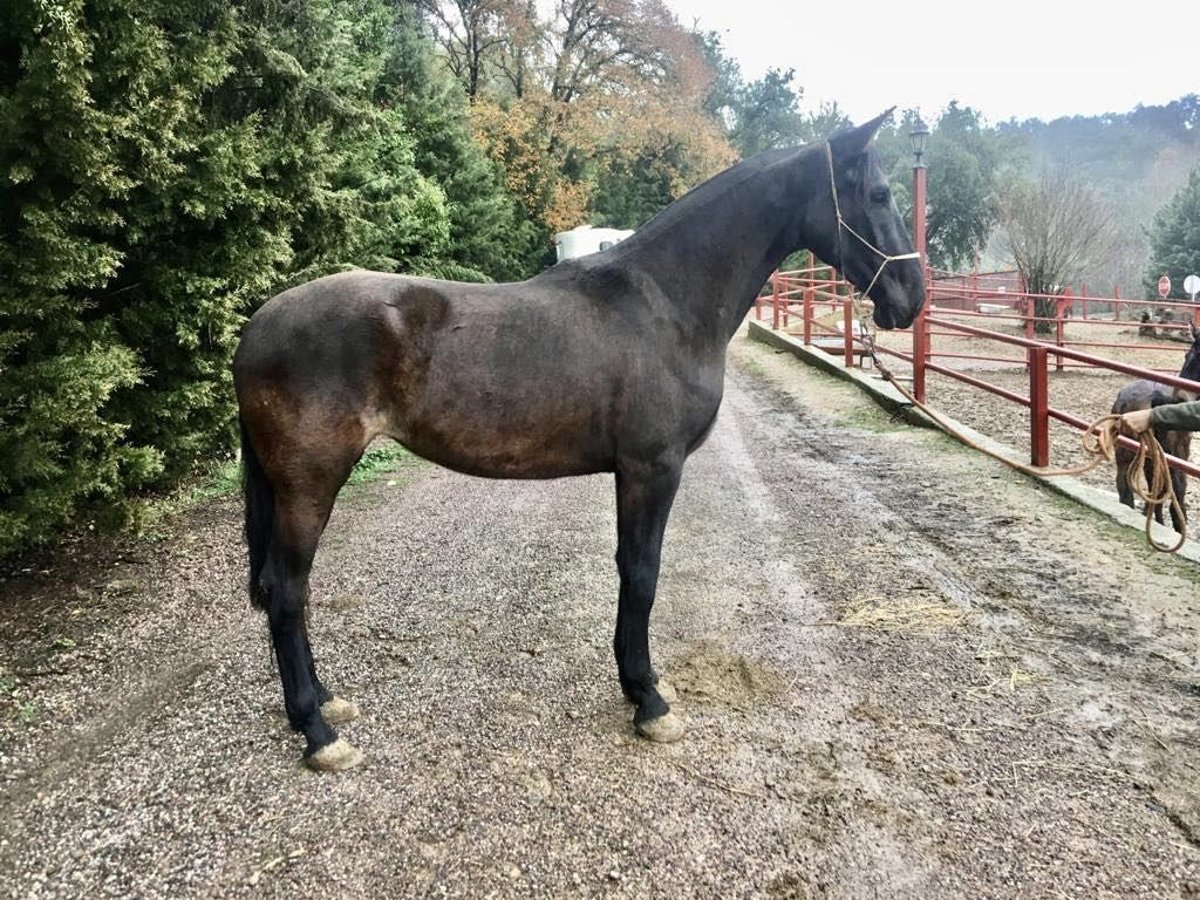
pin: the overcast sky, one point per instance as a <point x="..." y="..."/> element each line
<point x="1014" y="58"/>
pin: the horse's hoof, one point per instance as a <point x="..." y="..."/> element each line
<point x="338" y="711"/>
<point x="666" y="729"/>
<point x="335" y="757"/>
<point x="666" y="690"/>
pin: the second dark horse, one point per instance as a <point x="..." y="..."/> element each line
<point x="613" y="362"/>
<point x="1144" y="394"/>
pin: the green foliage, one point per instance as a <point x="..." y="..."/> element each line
<point x="824" y="122"/>
<point x="962" y="197"/>
<point x="64" y="178"/>
<point x="632" y="187"/>
<point x="727" y="82"/>
<point x="758" y="115"/>
<point x="629" y="192"/>
<point x="1175" y="240"/>
<point x="767" y="114"/>
<point x="222" y="479"/>
<point x="166" y="166"/>
<point x="379" y="461"/>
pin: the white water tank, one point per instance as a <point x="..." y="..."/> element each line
<point x="585" y="239"/>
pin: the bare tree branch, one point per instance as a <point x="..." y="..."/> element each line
<point x="1055" y="229"/>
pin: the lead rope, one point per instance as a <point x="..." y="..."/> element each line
<point x="1099" y="441"/>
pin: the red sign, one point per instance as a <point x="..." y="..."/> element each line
<point x="1164" y="286"/>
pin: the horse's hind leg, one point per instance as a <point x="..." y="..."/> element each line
<point x="299" y="521"/>
<point x="645" y="493"/>
<point x="1124" y="489"/>
<point x="290" y="488"/>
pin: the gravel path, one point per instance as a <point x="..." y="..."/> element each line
<point x="907" y="672"/>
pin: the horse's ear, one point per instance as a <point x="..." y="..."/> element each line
<point x="1195" y="331"/>
<point x="850" y="143"/>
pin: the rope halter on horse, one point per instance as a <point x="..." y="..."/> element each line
<point x="842" y="224"/>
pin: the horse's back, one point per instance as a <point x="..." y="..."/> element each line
<point x="1141" y="394"/>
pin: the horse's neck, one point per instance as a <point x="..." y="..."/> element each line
<point x="712" y="257"/>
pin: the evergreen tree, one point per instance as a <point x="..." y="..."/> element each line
<point x="767" y="114"/>
<point x="1175" y="240"/>
<point x="95" y="105"/>
<point x="963" y="159"/>
<point x="490" y="238"/>
<point x="167" y="165"/>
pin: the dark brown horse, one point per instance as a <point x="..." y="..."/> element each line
<point x="1143" y="394"/>
<point x="613" y="362"/>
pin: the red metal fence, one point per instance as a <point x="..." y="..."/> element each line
<point x="815" y="304"/>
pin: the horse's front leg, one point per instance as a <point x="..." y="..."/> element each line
<point x="645" y="492"/>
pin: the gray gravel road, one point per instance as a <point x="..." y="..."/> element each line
<point x="906" y="673"/>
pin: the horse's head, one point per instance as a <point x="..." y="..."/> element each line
<point x="865" y="231"/>
<point x="1191" y="365"/>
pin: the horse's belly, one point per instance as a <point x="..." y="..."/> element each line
<point x="529" y="450"/>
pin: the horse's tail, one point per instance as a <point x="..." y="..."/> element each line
<point x="260" y="516"/>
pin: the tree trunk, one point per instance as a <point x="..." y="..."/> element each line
<point x="1045" y="308"/>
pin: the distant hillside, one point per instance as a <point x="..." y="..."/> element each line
<point x="1137" y="160"/>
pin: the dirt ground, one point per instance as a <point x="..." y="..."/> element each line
<point x="1086" y="393"/>
<point x="907" y="672"/>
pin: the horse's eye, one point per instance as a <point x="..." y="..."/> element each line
<point x="879" y="195"/>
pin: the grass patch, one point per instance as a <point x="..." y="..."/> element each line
<point x="379" y="461"/>
<point x="871" y="417"/>
<point x="753" y="364"/>
<point x="12" y="707"/>
<point x="222" y="479"/>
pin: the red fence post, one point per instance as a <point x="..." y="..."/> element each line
<point x="1116" y="306"/>
<point x="920" y="333"/>
<point x="787" y="311"/>
<point x="1030" y="311"/>
<point x="775" y="301"/>
<point x="848" y="329"/>
<point x="808" y="310"/>
<point x="1039" y="407"/>
<point x="1060" y="324"/>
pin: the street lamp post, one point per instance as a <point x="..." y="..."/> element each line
<point x="919" y="136"/>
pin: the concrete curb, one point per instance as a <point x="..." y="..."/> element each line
<point x="894" y="402"/>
